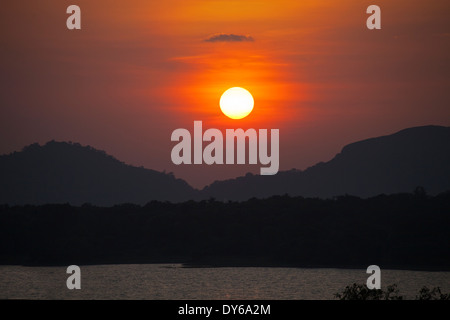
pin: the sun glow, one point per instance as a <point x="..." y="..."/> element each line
<point x="236" y="103"/>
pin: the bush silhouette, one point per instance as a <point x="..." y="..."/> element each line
<point x="433" y="294"/>
<point x="361" y="292"/>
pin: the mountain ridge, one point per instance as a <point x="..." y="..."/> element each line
<point x="66" y="172"/>
<point x="59" y="172"/>
<point x="417" y="156"/>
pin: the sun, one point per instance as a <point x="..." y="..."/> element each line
<point x="236" y="103"/>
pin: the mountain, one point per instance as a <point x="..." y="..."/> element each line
<point x="60" y="172"/>
<point x="400" y="162"/>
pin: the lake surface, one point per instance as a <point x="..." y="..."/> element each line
<point x="172" y="281"/>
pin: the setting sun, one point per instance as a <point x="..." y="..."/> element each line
<point x="236" y="103"/>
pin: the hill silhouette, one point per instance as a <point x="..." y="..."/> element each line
<point x="61" y="172"/>
<point x="418" y="156"/>
<point x="399" y="230"/>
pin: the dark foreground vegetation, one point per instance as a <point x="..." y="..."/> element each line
<point x="361" y="292"/>
<point x="409" y="231"/>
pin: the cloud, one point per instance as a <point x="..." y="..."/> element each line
<point x="223" y="37"/>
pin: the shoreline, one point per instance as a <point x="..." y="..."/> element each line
<point x="215" y="265"/>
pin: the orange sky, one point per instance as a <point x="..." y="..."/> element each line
<point x="140" y="69"/>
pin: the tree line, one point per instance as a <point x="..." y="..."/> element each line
<point x="408" y="230"/>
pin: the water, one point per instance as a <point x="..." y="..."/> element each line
<point x="164" y="281"/>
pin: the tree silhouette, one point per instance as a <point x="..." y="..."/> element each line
<point x="396" y="231"/>
<point x="361" y="292"/>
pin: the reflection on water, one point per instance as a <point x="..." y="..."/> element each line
<point x="162" y="281"/>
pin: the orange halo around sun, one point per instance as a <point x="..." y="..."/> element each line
<point x="236" y="103"/>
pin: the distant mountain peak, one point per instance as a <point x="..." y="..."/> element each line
<point x="60" y="172"/>
<point x="63" y="147"/>
<point x="409" y="135"/>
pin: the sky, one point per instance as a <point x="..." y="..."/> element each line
<point x="139" y="69"/>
